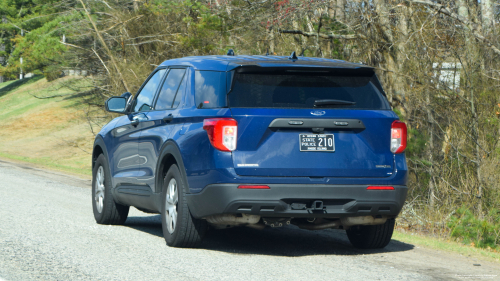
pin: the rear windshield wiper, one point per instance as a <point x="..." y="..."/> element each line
<point x="318" y="103"/>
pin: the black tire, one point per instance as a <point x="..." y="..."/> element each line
<point x="187" y="232"/>
<point x="371" y="236"/>
<point x="110" y="212"/>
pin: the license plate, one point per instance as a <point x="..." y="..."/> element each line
<point x="320" y="142"/>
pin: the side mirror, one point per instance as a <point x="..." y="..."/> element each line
<point x="116" y="104"/>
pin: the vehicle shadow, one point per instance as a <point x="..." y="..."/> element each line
<point x="289" y="241"/>
<point x="149" y="224"/>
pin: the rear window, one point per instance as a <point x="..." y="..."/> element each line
<point x="301" y="90"/>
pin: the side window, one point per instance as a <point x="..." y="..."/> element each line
<point x="144" y="100"/>
<point x="169" y="89"/>
<point x="210" y="89"/>
<point x="180" y="92"/>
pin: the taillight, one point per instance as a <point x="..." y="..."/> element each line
<point x="398" y="137"/>
<point x="222" y="133"/>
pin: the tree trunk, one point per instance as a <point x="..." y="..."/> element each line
<point x="298" y="39"/>
<point x="487" y="15"/>
<point x="387" y="58"/>
<point x="475" y="136"/>
<point x="340" y="10"/>
<point x="311" y="29"/>
<point x="463" y="10"/>
<point x="270" y="39"/>
<point x="401" y="56"/>
<point x="430" y="148"/>
<point x="383" y="19"/>
<point x="331" y="8"/>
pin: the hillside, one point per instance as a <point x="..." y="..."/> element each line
<point x="53" y="132"/>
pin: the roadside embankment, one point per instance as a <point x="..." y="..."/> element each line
<point x="45" y="123"/>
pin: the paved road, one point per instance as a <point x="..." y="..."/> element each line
<point x="48" y="232"/>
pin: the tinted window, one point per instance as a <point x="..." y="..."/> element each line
<point x="210" y="89"/>
<point x="144" y="100"/>
<point x="180" y="92"/>
<point x="301" y="90"/>
<point x="169" y="89"/>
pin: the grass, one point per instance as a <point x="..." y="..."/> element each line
<point x="446" y="245"/>
<point x="47" y="163"/>
<point x="10" y="86"/>
<point x="51" y="132"/>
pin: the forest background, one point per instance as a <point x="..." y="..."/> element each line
<point x="438" y="62"/>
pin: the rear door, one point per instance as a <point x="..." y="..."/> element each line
<point x="324" y="124"/>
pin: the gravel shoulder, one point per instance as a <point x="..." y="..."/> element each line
<point x="48" y="232"/>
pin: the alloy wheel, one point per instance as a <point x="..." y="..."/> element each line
<point x="171" y="205"/>
<point x="99" y="189"/>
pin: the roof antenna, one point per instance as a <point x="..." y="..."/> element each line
<point x="293" y="56"/>
<point x="267" y="52"/>
<point x="230" y="52"/>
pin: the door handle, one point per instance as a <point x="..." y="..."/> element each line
<point x="135" y="121"/>
<point x="168" y="118"/>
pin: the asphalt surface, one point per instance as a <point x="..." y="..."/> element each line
<point x="48" y="232"/>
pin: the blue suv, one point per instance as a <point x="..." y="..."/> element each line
<point x="257" y="141"/>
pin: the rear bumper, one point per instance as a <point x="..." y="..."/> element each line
<point x="338" y="201"/>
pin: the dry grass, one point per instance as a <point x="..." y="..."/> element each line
<point x="416" y="238"/>
<point x="52" y="132"/>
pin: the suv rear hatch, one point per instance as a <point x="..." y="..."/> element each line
<point x="320" y="123"/>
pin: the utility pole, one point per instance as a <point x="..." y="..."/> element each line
<point x="21" y="75"/>
<point x="2" y="49"/>
<point x="2" y="59"/>
<point x="21" y="59"/>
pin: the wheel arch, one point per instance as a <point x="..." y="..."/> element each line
<point x="99" y="148"/>
<point x="170" y="155"/>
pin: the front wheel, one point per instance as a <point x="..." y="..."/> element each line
<point x="371" y="236"/>
<point x="180" y="229"/>
<point x="106" y="210"/>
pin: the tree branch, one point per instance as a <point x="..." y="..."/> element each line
<point x="322" y="35"/>
<point x="105" y="47"/>
<point x="445" y="11"/>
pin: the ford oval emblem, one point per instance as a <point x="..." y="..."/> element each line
<point x="318" y="112"/>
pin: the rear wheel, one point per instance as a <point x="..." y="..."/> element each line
<point x="180" y="229"/>
<point x="371" y="236"/>
<point x="106" y="210"/>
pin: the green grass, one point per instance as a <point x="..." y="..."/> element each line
<point x="24" y="100"/>
<point x="10" y="86"/>
<point x="449" y="246"/>
<point x="46" y="162"/>
<point x="49" y="132"/>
